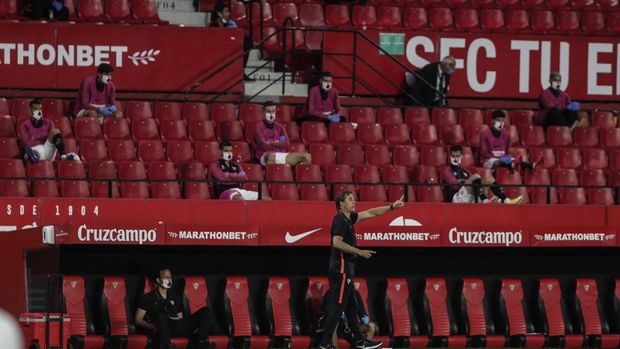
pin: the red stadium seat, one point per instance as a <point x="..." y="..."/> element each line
<point x="311" y="15"/>
<point x="406" y="155"/>
<point x="133" y="170"/>
<point x="593" y="178"/>
<point x="515" y="313"/>
<point x="238" y="13"/>
<point x="400" y="177"/>
<point x="254" y="173"/>
<point x="451" y="134"/>
<point x="267" y="13"/>
<point x="122" y="150"/>
<point x="250" y="113"/>
<point x="194" y="190"/>
<point x="475" y="304"/>
<point x="221" y="112"/>
<point x="601" y="196"/>
<point x="337" y="15"/>
<point x="558" y="4"/>
<point x="195" y="111"/>
<point x="588" y="305"/>
<point x="239" y="308"/>
<point x="173" y="130"/>
<point x="116" y="128"/>
<point x="546" y="154"/>
<point x="43" y="188"/>
<point x="151" y="151"/>
<point x="528" y="4"/>
<point x="581" y="4"/>
<point x="567" y="21"/>
<point x="378" y="155"/>
<point x="292" y="130"/>
<point x="613" y="22"/>
<point x="322" y="154"/>
<point x="339" y="173"/>
<point x="389" y="116"/>
<point x="242" y="151"/>
<point x="53" y="108"/>
<point x="363" y="115"/>
<point x="603" y="119"/>
<point x="370" y="134"/>
<point x="565" y="177"/>
<point x="425" y="134"/>
<point x="492" y="19"/>
<point x="13" y="187"/>
<point x="586" y="137"/>
<point x="607" y="4"/>
<point x="594" y="159"/>
<point x="314" y="132"/>
<point x="350" y="154"/>
<point x="230" y="131"/>
<point x="514" y="135"/>
<point x="401" y="321"/>
<point x="610" y="138"/>
<point x="138" y="110"/>
<point x="396" y="134"/>
<point x="518" y="20"/>
<point x="441" y="18"/>
<point x="4" y="107"/>
<point x="506" y="4"/>
<point x="164" y="171"/>
<point x="8" y="9"/>
<point x="444" y="116"/>
<point x="522" y="117"/>
<point x="415" y="18"/>
<point x="145" y="129"/>
<point x="87" y="128"/>
<point x="375" y="193"/>
<point x="568" y="158"/>
<point x="342" y="133"/>
<point x="90" y="10"/>
<point x="76" y="305"/>
<point x="472" y="134"/>
<point x="167" y="111"/>
<point x="482" y="3"/>
<point x="145" y="11"/>
<point x="614" y="159"/>
<point x="389" y="17"/>
<point x="118" y="10"/>
<point x="364" y="16"/>
<point x="308" y="173"/>
<point x="279" y="173"/>
<point x="437" y="302"/>
<point x="417" y="115"/>
<point x="559" y="136"/>
<point x="106" y="172"/>
<point x="281" y="315"/>
<point x="201" y="130"/>
<point x="284" y="113"/>
<point x="551" y="303"/>
<point x="207" y="152"/>
<point x="532" y="136"/>
<point x="466" y="19"/>
<point x="63" y="124"/>
<point x="7" y="127"/>
<point x="282" y="11"/>
<point x="20" y="108"/>
<point x="366" y="174"/>
<point x="73" y="170"/>
<point x="592" y="22"/>
<point x="432" y="156"/>
<point x="538" y="195"/>
<point x="93" y="150"/>
<point x="179" y="151"/>
<point x="472" y="117"/>
<point x="572" y="196"/>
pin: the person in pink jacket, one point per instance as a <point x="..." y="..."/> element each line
<point x="97" y="94"/>
<point x="556" y="107"/>
<point x="323" y="104"/>
<point x="271" y="142"/>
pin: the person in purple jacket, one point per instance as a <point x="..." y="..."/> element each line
<point x="40" y="139"/>
<point x="323" y="103"/>
<point x="271" y="141"/>
<point x="465" y="188"/>
<point x="227" y="176"/>
<point x="495" y="146"/>
<point x="556" y="107"/>
<point x="96" y="96"/>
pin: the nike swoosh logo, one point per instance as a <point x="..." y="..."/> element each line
<point x="291" y="239"/>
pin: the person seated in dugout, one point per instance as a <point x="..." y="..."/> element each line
<point x="39" y="139"/>
<point x="322" y="104"/>
<point x="160" y="313"/>
<point x="556" y="107"/>
<point x="271" y="142"/>
<point x="97" y="95"/>
<point x="227" y="176"/>
<point x="465" y="188"/>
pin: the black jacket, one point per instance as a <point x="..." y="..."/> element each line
<point x="424" y="94"/>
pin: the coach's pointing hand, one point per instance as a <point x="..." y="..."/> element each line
<point x="366" y="253"/>
<point x="398" y="203"/>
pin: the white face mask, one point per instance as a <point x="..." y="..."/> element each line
<point x="498" y="125"/>
<point x="456" y="161"/>
<point x="555" y="85"/>
<point x="326" y="85"/>
<point x="106" y="78"/>
<point x="37" y="114"/>
<point x="166" y="283"/>
<point x="227" y="156"/>
<point x="270" y="117"/>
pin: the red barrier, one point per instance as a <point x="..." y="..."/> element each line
<point x="489" y="66"/>
<point x="147" y="58"/>
<point x="280" y="223"/>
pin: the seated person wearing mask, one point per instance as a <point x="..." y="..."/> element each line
<point x="40" y="139"/>
<point x="161" y="313"/>
<point x="464" y="188"/>
<point x="271" y="141"/>
<point x="556" y="108"/>
<point x="323" y="103"/>
<point x="227" y="175"/>
<point x="97" y="95"/>
<point x="495" y="147"/>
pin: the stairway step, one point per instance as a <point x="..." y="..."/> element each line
<point x="176" y="5"/>
<point x="190" y="19"/>
<point x="266" y="75"/>
<point x="296" y="90"/>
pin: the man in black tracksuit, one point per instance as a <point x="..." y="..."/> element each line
<point x="342" y="262"/>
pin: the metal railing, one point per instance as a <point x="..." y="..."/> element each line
<point x="260" y="184"/>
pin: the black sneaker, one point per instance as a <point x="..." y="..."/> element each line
<point x="329" y="346"/>
<point x="366" y="344"/>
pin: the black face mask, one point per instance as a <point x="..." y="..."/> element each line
<point x="36" y="123"/>
<point x="496" y="132"/>
<point x="100" y="85"/>
<point x="269" y="125"/>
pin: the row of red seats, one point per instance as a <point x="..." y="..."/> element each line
<point x="408" y="313"/>
<point x="510" y="20"/>
<point x="118" y="11"/>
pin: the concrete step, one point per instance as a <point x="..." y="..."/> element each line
<point x="176" y="5"/>
<point x="264" y="65"/>
<point x="190" y="19"/>
<point x="296" y="90"/>
<point x="265" y="75"/>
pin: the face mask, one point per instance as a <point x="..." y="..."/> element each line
<point x="455" y="160"/>
<point x="37" y="115"/>
<point x="555" y="85"/>
<point x="227" y="156"/>
<point x="270" y="117"/>
<point x="326" y="86"/>
<point x="106" y="78"/>
<point x="498" y="125"/>
<point x="166" y="283"/>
